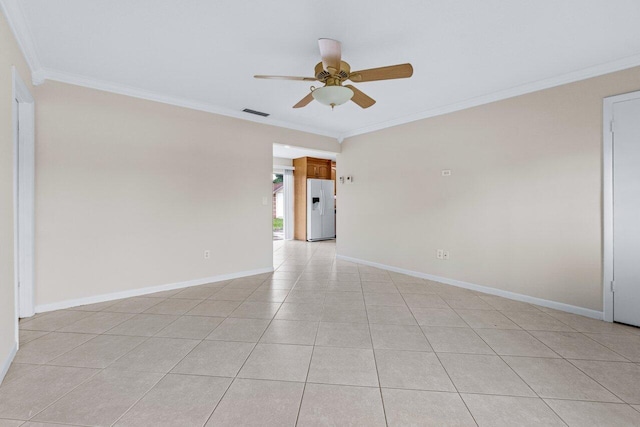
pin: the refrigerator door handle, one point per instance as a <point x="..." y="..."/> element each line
<point x="321" y="202"/>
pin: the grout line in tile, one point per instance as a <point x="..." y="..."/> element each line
<point x="605" y="346"/>
<point x="97" y="371"/>
<point x="595" y="380"/>
<point x="308" y="261"/>
<point x="251" y="352"/>
<point x="139" y="399"/>
<point x="509" y="366"/>
<point x="306" y="378"/>
<point x="441" y="364"/>
<point x="375" y="359"/>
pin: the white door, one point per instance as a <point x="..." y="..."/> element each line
<point x="328" y="212"/>
<point x="626" y="212"/>
<point x="314" y="209"/>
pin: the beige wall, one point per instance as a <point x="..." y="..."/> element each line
<point x="279" y="161"/>
<point x="129" y="193"/>
<point x="522" y="209"/>
<point x="9" y="56"/>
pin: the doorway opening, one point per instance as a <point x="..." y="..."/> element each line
<point x="278" y="206"/>
<point x="282" y="203"/>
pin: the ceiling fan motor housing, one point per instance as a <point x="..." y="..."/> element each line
<point x="322" y="74"/>
<point x="332" y="71"/>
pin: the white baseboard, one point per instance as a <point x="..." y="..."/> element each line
<point x="7" y="362"/>
<point x="486" y="289"/>
<point x="148" y="290"/>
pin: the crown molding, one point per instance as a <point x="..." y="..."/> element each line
<point x="14" y="16"/>
<point x="598" y="70"/>
<point x="38" y="77"/>
<point x="586" y="73"/>
<point x="17" y="23"/>
<point x="91" y="83"/>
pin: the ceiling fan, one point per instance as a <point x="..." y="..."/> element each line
<point x="333" y="71"/>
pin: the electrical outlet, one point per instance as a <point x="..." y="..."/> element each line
<point x="446" y="172"/>
<point x="440" y="254"/>
<point x="445" y="255"/>
<point x="207" y="254"/>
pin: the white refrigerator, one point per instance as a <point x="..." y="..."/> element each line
<point x="321" y="213"/>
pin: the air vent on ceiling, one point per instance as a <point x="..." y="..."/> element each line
<point x="257" y="113"/>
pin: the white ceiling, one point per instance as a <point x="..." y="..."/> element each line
<point x="291" y="152"/>
<point x="203" y="53"/>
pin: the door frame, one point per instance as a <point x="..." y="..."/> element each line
<point x="23" y="118"/>
<point x="607" y="199"/>
<point x="288" y="203"/>
<point x="287" y="190"/>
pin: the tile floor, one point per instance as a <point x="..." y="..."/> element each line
<point x="321" y="342"/>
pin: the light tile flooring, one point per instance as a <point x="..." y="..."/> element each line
<point x="321" y="342"/>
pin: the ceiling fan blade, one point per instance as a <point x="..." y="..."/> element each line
<point x="304" y="101"/>
<point x="305" y="79"/>
<point x="331" y="53"/>
<point x="360" y="98"/>
<point x="400" y="71"/>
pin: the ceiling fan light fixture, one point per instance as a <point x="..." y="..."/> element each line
<point x="332" y="95"/>
<point x="332" y="72"/>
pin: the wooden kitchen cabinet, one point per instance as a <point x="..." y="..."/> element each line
<point x="318" y="168"/>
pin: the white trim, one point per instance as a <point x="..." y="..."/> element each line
<point x="598" y="70"/>
<point x="24" y="38"/>
<point x="283" y="168"/>
<point x="91" y="83"/>
<point x="14" y="16"/>
<point x="7" y="361"/>
<point x="16" y="269"/>
<point x="20" y="89"/>
<point x="38" y="77"/>
<point x="480" y="288"/>
<point x="607" y="209"/>
<point x="24" y="173"/>
<point x="288" y="204"/>
<point x="148" y="290"/>
<point x="607" y="199"/>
